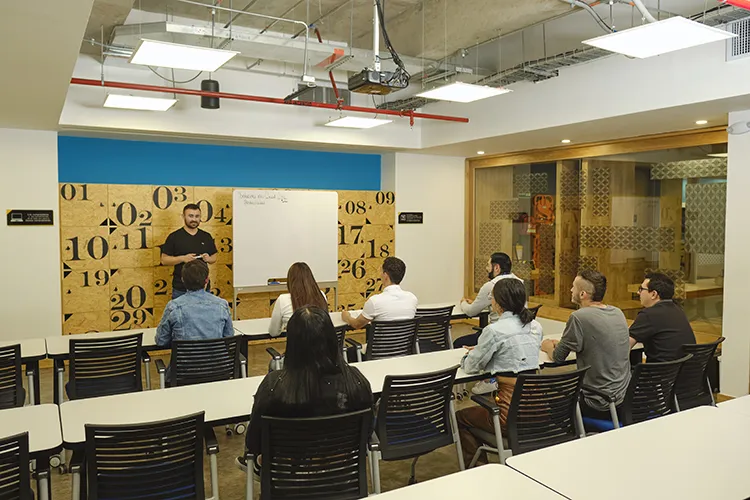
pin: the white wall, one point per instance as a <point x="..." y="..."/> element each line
<point x="735" y="357"/>
<point x="433" y="251"/>
<point x="30" y="304"/>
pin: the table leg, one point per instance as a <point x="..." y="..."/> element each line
<point x="243" y="350"/>
<point x="43" y="485"/>
<point x="32" y="374"/>
<point x="60" y="382"/>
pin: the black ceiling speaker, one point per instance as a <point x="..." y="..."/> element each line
<point x="210" y="102"/>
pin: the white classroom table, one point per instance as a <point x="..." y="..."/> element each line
<point x="223" y="402"/>
<point x="737" y="405"/>
<point x="257" y="329"/>
<point x="692" y="455"/>
<point x="42" y="422"/>
<point x="32" y="351"/>
<point x="59" y="347"/>
<point x="488" y="482"/>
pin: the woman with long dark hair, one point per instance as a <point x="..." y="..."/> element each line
<point x="303" y="291"/>
<point x="507" y="347"/>
<point x="315" y="381"/>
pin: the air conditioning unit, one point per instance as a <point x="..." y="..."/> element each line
<point x="322" y="94"/>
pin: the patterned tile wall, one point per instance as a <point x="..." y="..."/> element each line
<point x="690" y="169"/>
<point x="705" y="217"/>
<point x="527" y="184"/>
<point x="504" y="209"/>
<point x="653" y="239"/>
<point x="600" y="188"/>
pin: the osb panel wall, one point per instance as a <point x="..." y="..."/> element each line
<point x="110" y="238"/>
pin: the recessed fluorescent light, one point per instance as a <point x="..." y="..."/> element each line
<point x="178" y="56"/>
<point x="718" y="155"/>
<point x="480" y="152"/>
<point x="357" y="122"/>
<point x="675" y="33"/>
<point x="565" y="141"/>
<point x="463" y="92"/>
<point x="139" y="103"/>
<point x="701" y="122"/>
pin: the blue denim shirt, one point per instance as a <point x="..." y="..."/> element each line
<point x="505" y="346"/>
<point x="197" y="315"/>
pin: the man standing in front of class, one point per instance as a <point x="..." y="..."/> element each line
<point x="187" y="244"/>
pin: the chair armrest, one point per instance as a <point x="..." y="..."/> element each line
<point x="274" y="353"/>
<point x="160" y="366"/>
<point x="374" y="443"/>
<point x="353" y="343"/>
<point x="212" y="445"/>
<point x="145" y="357"/>
<point x="486" y="402"/>
<point x="608" y="396"/>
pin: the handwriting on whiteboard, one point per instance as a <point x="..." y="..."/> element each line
<point x="263" y="198"/>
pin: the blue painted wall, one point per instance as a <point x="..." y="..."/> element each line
<point x="112" y="161"/>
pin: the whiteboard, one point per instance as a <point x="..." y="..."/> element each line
<point x="273" y="229"/>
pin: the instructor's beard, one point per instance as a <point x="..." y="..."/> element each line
<point x="192" y="224"/>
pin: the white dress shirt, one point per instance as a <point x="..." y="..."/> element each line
<point x="282" y="311"/>
<point x="392" y="304"/>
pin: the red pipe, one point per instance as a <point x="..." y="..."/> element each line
<point x="269" y="100"/>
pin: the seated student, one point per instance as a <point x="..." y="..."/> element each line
<point x="662" y="327"/>
<point x="498" y="268"/>
<point x="315" y="381"/>
<point x="196" y="315"/>
<point x="598" y="334"/>
<point x="303" y="291"/>
<point x="392" y="304"/>
<point x="506" y="348"/>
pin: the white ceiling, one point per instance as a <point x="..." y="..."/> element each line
<point x="40" y="41"/>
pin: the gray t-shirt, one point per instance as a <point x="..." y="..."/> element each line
<point x="600" y="339"/>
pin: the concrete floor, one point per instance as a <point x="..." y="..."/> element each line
<point x="232" y="480"/>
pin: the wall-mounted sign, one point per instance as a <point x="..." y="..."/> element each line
<point x="30" y="217"/>
<point x="411" y="217"/>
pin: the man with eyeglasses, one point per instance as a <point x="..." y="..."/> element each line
<point x="662" y="326"/>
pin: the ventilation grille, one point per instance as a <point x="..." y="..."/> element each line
<point x="739" y="47"/>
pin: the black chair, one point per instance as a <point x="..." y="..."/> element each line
<point x="277" y="359"/>
<point x="543" y="412"/>
<point x="415" y="416"/>
<point x="388" y="339"/>
<point x="693" y="388"/>
<point x="650" y="394"/>
<point x="434" y="329"/>
<point x="152" y="460"/>
<point x="15" y="478"/>
<point x="202" y="361"/>
<point x="103" y="367"/>
<point x="313" y="458"/>
<point x="12" y="393"/>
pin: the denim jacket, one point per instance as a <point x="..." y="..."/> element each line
<point x="197" y="315"/>
<point x="506" y="346"/>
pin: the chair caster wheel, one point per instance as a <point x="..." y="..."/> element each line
<point x="54" y="461"/>
<point x="459" y="397"/>
<point x="63" y="469"/>
<point x="229" y="432"/>
<point x="240" y="429"/>
<point x="466" y="393"/>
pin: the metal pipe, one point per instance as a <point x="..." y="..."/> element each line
<point x="587" y="8"/>
<point x="268" y="100"/>
<point x="644" y="11"/>
<point x="273" y="18"/>
<point x="375" y="37"/>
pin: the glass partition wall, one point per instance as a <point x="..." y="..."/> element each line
<point x="623" y="214"/>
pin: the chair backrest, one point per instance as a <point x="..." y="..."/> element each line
<point x="535" y="310"/>
<point x="341" y="335"/>
<point x="315" y="458"/>
<point x="414" y="414"/>
<point x="434" y="329"/>
<point x="11" y="377"/>
<point x="650" y="393"/>
<point x="102" y="367"/>
<point x="152" y="460"/>
<point x="388" y="339"/>
<point x="543" y="410"/>
<point x="15" y="479"/>
<point x="692" y="388"/>
<point x="202" y="361"/>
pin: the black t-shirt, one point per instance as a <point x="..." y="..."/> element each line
<point x="181" y="242"/>
<point x="662" y="329"/>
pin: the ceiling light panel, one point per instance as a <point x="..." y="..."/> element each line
<point x="178" y="56"/>
<point x="653" y="39"/>
<point x="357" y="122"/>
<point x="463" y="92"/>
<point x="138" y="103"/>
